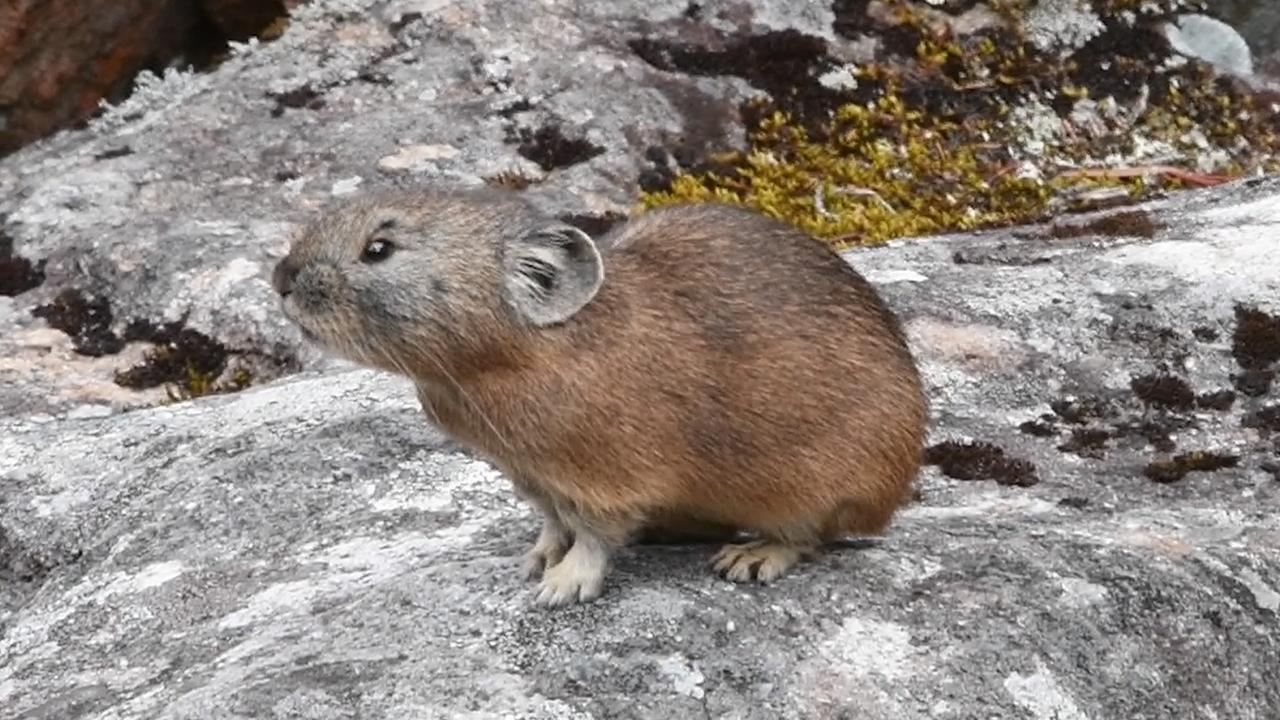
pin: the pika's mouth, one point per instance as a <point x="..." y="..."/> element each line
<point x="289" y="307"/>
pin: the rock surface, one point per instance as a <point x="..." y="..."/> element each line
<point x="311" y="549"/>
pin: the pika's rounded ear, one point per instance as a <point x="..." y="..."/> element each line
<point x="551" y="273"/>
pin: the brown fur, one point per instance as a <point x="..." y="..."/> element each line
<point x="729" y="373"/>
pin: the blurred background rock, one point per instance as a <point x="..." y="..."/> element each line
<point x="60" y="58"/>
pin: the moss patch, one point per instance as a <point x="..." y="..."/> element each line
<point x="1087" y="442"/>
<point x="1220" y="400"/>
<point x="954" y="132"/>
<point x="187" y="363"/>
<point x="550" y="148"/>
<point x="1175" y="469"/>
<point x="1078" y="411"/>
<point x="594" y="225"/>
<point x="1127" y="223"/>
<point x="511" y="180"/>
<point x="1254" y="382"/>
<point x="1163" y="390"/>
<point x="304" y="96"/>
<point x="980" y="461"/>
<point x="86" y="319"/>
<point x="785" y="63"/>
<point x="1255" y="342"/>
<point x="17" y="274"/>
<point x="1266" y="419"/>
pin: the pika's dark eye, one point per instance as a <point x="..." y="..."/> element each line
<point x="377" y="251"/>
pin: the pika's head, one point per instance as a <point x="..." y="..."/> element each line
<point x="396" y="278"/>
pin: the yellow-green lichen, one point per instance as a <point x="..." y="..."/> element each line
<point x="883" y="171"/>
<point x="197" y="383"/>
<point x="956" y="134"/>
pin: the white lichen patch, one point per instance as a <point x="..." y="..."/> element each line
<point x="1037" y="126"/>
<point x="1197" y="264"/>
<point x="863" y="647"/>
<point x="1041" y="695"/>
<point x="418" y="158"/>
<point x="1263" y="594"/>
<point x="984" y="505"/>
<point x="1061" y="24"/>
<point x="683" y="676"/>
<point x="152" y="96"/>
<point x="887" y="276"/>
<point x="1079" y="593"/>
<point x="149" y="577"/>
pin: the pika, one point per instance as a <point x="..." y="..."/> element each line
<point x="699" y="369"/>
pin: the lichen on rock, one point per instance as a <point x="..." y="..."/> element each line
<point x="956" y="128"/>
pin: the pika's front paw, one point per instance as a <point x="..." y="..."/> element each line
<point x="540" y="559"/>
<point x="577" y="578"/>
<point x="547" y="550"/>
<point x="762" y="560"/>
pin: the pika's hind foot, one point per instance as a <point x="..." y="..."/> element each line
<point x="762" y="560"/>
<point x="578" y="577"/>
<point x="548" y="550"/>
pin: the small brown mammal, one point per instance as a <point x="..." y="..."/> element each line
<point x="698" y="367"/>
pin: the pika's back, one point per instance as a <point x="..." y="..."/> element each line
<point x="742" y="276"/>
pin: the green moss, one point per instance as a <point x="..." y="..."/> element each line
<point x="883" y="171"/>
<point x="196" y="383"/>
<point x="936" y="140"/>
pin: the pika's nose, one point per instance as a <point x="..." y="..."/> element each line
<point x="283" y="276"/>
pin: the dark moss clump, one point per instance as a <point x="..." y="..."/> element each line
<point x="17" y="565"/>
<point x="1162" y="390"/>
<point x="980" y="461"/>
<point x="178" y="352"/>
<point x="1041" y="427"/>
<point x="1254" y="382"/>
<point x="1220" y="400"/>
<point x="1001" y="254"/>
<point x="1204" y="333"/>
<point x="86" y="319"/>
<point x="550" y="148"/>
<point x="1087" y="442"/>
<point x="1169" y="471"/>
<point x="17" y="274"/>
<point x="1129" y="223"/>
<point x="511" y="179"/>
<point x="299" y="97"/>
<point x="1079" y="411"/>
<point x="1158" y="432"/>
<point x="594" y="225"/>
<point x="189" y="363"/>
<point x="1255" y="343"/>
<point x="115" y="152"/>
<point x="1266" y="419"/>
<point x="785" y="63"/>
<point x="1095" y="423"/>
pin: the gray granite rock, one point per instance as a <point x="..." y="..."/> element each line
<point x="311" y="549"/>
